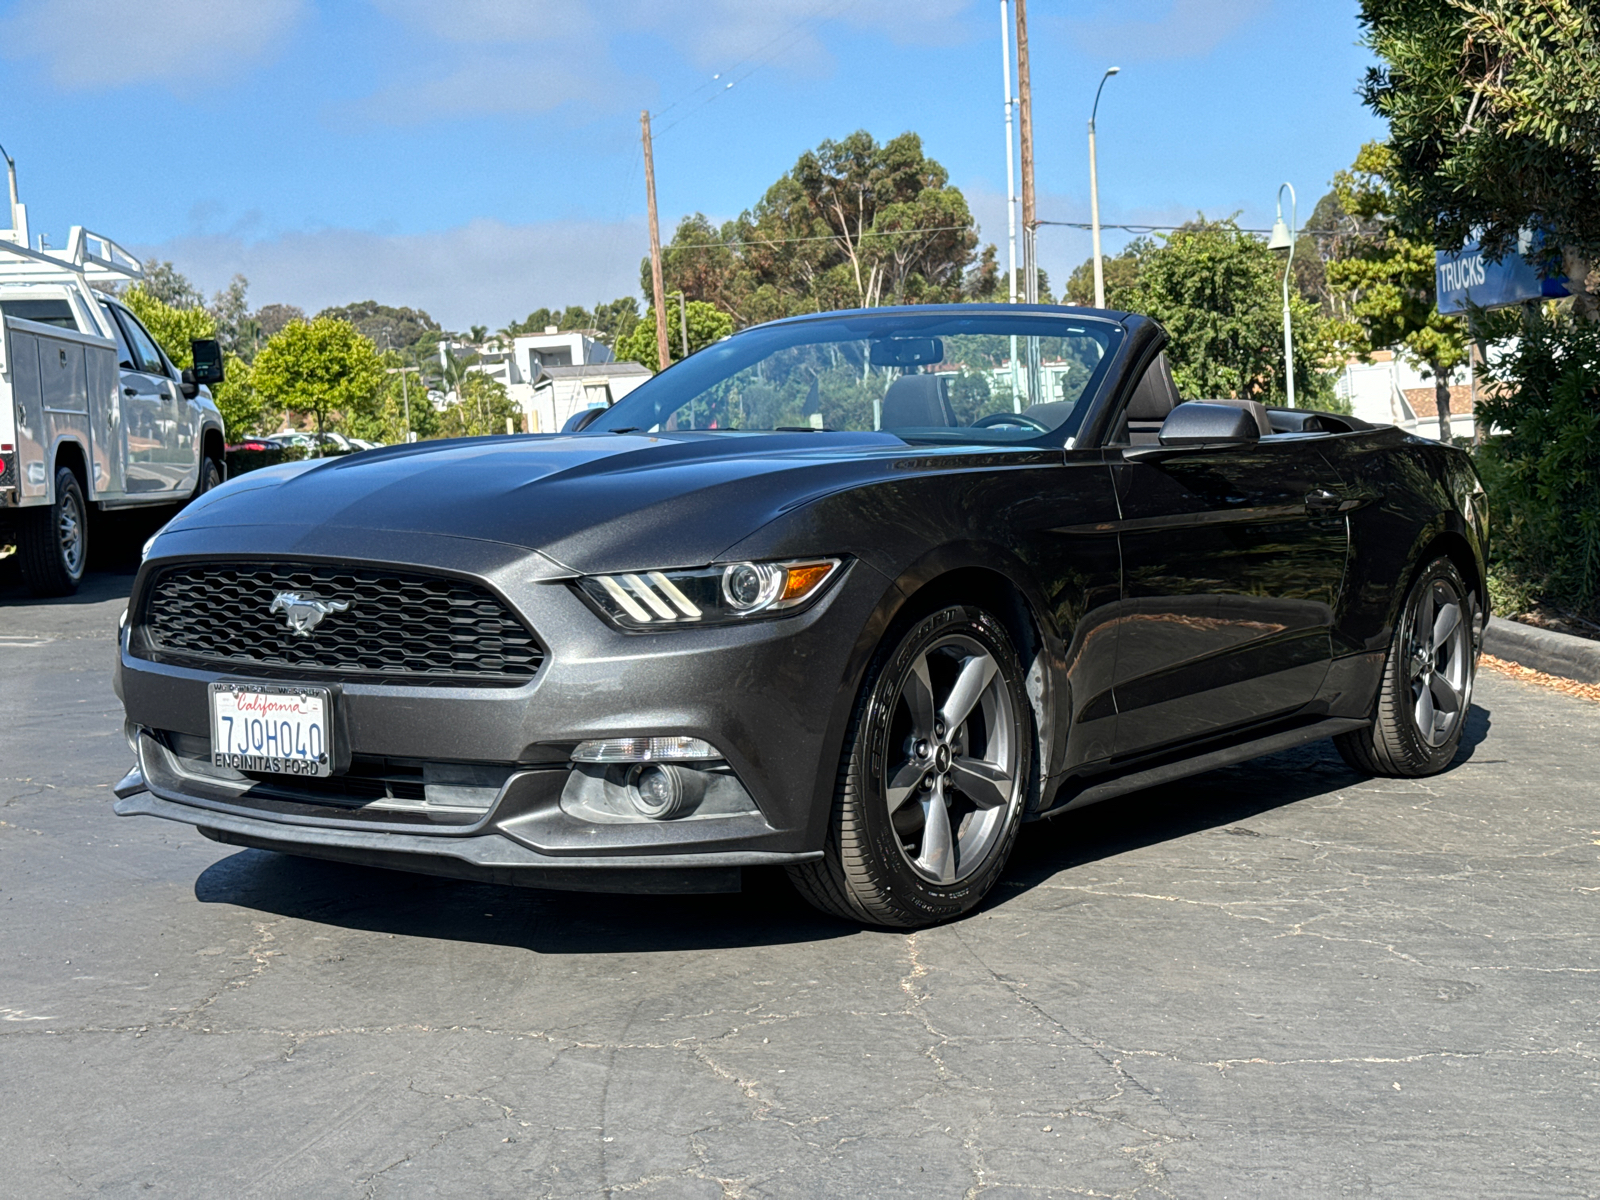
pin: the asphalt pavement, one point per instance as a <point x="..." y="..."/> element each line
<point x="1280" y="979"/>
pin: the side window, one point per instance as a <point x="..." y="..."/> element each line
<point x="124" y="354"/>
<point x="146" y="355"/>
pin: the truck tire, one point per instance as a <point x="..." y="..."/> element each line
<point x="53" y="541"/>
<point x="210" y="477"/>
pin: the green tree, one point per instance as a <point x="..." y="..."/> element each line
<point x="852" y="224"/>
<point x="1120" y="273"/>
<point x="1494" y="124"/>
<point x="164" y="282"/>
<point x="1387" y="280"/>
<point x="1217" y="292"/>
<point x="706" y="325"/>
<point x="385" y="326"/>
<point x="482" y="409"/>
<point x="321" y="368"/>
<point x="384" y="420"/>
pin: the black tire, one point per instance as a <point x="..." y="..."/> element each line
<point x="53" y="541"/>
<point x="879" y="865"/>
<point x="1427" y="674"/>
<point x="210" y="477"/>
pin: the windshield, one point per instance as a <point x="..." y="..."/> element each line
<point x="972" y="375"/>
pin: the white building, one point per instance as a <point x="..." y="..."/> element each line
<point x="1390" y="391"/>
<point x="552" y="375"/>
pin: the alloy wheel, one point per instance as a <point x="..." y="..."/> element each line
<point x="951" y="780"/>
<point x="1439" y="662"/>
<point x="69" y="533"/>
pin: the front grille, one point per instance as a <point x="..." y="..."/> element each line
<point x="400" y="627"/>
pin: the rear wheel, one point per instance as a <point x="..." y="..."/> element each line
<point x="1427" y="681"/>
<point x="932" y="783"/>
<point x="53" y="541"/>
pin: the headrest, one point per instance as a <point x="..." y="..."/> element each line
<point x="1156" y="394"/>
<point x="1255" y="408"/>
<point x="914" y="401"/>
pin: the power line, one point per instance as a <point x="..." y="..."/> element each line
<point x="826" y="237"/>
<point x="759" y="57"/>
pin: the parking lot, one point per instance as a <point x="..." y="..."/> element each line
<point x="1279" y="979"/>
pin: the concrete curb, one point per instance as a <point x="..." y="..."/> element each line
<point x="1543" y="650"/>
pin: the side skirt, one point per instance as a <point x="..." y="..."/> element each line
<point x="1095" y="789"/>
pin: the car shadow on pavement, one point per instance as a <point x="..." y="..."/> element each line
<point x="768" y="912"/>
<point x="1219" y="799"/>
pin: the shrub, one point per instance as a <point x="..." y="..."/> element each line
<point x="1541" y="462"/>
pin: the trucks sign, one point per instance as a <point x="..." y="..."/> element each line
<point x="1468" y="276"/>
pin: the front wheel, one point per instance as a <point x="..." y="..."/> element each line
<point x="1427" y="681"/>
<point x="210" y="477"/>
<point x="936" y="770"/>
<point x="53" y="542"/>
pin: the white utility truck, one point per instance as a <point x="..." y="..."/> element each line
<point x="93" y="415"/>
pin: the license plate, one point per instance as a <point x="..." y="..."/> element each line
<point x="277" y="728"/>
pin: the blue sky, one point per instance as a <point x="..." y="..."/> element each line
<point x="479" y="158"/>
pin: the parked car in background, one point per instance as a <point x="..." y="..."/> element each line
<point x="252" y="454"/>
<point x="858" y="594"/>
<point x="93" y="414"/>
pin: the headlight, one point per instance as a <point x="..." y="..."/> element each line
<point x="719" y="595"/>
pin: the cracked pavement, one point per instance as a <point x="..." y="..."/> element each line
<point x="1278" y="979"/>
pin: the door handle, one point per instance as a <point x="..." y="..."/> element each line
<point x="127" y="391"/>
<point x="1321" y="500"/>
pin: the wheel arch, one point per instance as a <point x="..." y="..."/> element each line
<point x="984" y="576"/>
<point x="69" y="453"/>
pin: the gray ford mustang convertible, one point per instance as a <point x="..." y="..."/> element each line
<point x="859" y="594"/>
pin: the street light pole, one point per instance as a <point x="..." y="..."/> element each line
<point x="1094" y="194"/>
<point x="1011" y="153"/>
<point x="1283" y="239"/>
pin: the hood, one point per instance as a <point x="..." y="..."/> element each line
<point x="589" y="502"/>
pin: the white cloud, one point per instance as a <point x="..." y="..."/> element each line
<point x="1174" y="29"/>
<point x="497" y="57"/>
<point x="485" y="272"/>
<point x="493" y="20"/>
<point x="98" y="44"/>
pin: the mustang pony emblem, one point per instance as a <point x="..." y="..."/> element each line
<point x="305" y="613"/>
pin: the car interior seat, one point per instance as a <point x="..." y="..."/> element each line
<point x="917" y="401"/>
<point x="1155" y="397"/>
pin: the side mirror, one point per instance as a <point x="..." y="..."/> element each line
<point x="188" y="385"/>
<point x="1198" y="423"/>
<point x="581" y="420"/>
<point x="207" y="361"/>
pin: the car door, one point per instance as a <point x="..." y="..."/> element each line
<point x="1232" y="561"/>
<point x="143" y="407"/>
<point x="170" y="442"/>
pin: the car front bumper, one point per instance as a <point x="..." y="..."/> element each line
<point x="772" y="696"/>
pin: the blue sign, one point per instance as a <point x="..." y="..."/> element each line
<point x="1468" y="275"/>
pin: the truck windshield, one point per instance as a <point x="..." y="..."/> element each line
<point x="940" y="375"/>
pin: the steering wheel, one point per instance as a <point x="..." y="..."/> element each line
<point x="1005" y="418"/>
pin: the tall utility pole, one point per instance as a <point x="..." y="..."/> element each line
<point x="663" y="351"/>
<point x="1011" y="153"/>
<point x="1030" y="271"/>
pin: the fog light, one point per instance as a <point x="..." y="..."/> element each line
<point x="644" y="749"/>
<point x="662" y="791"/>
